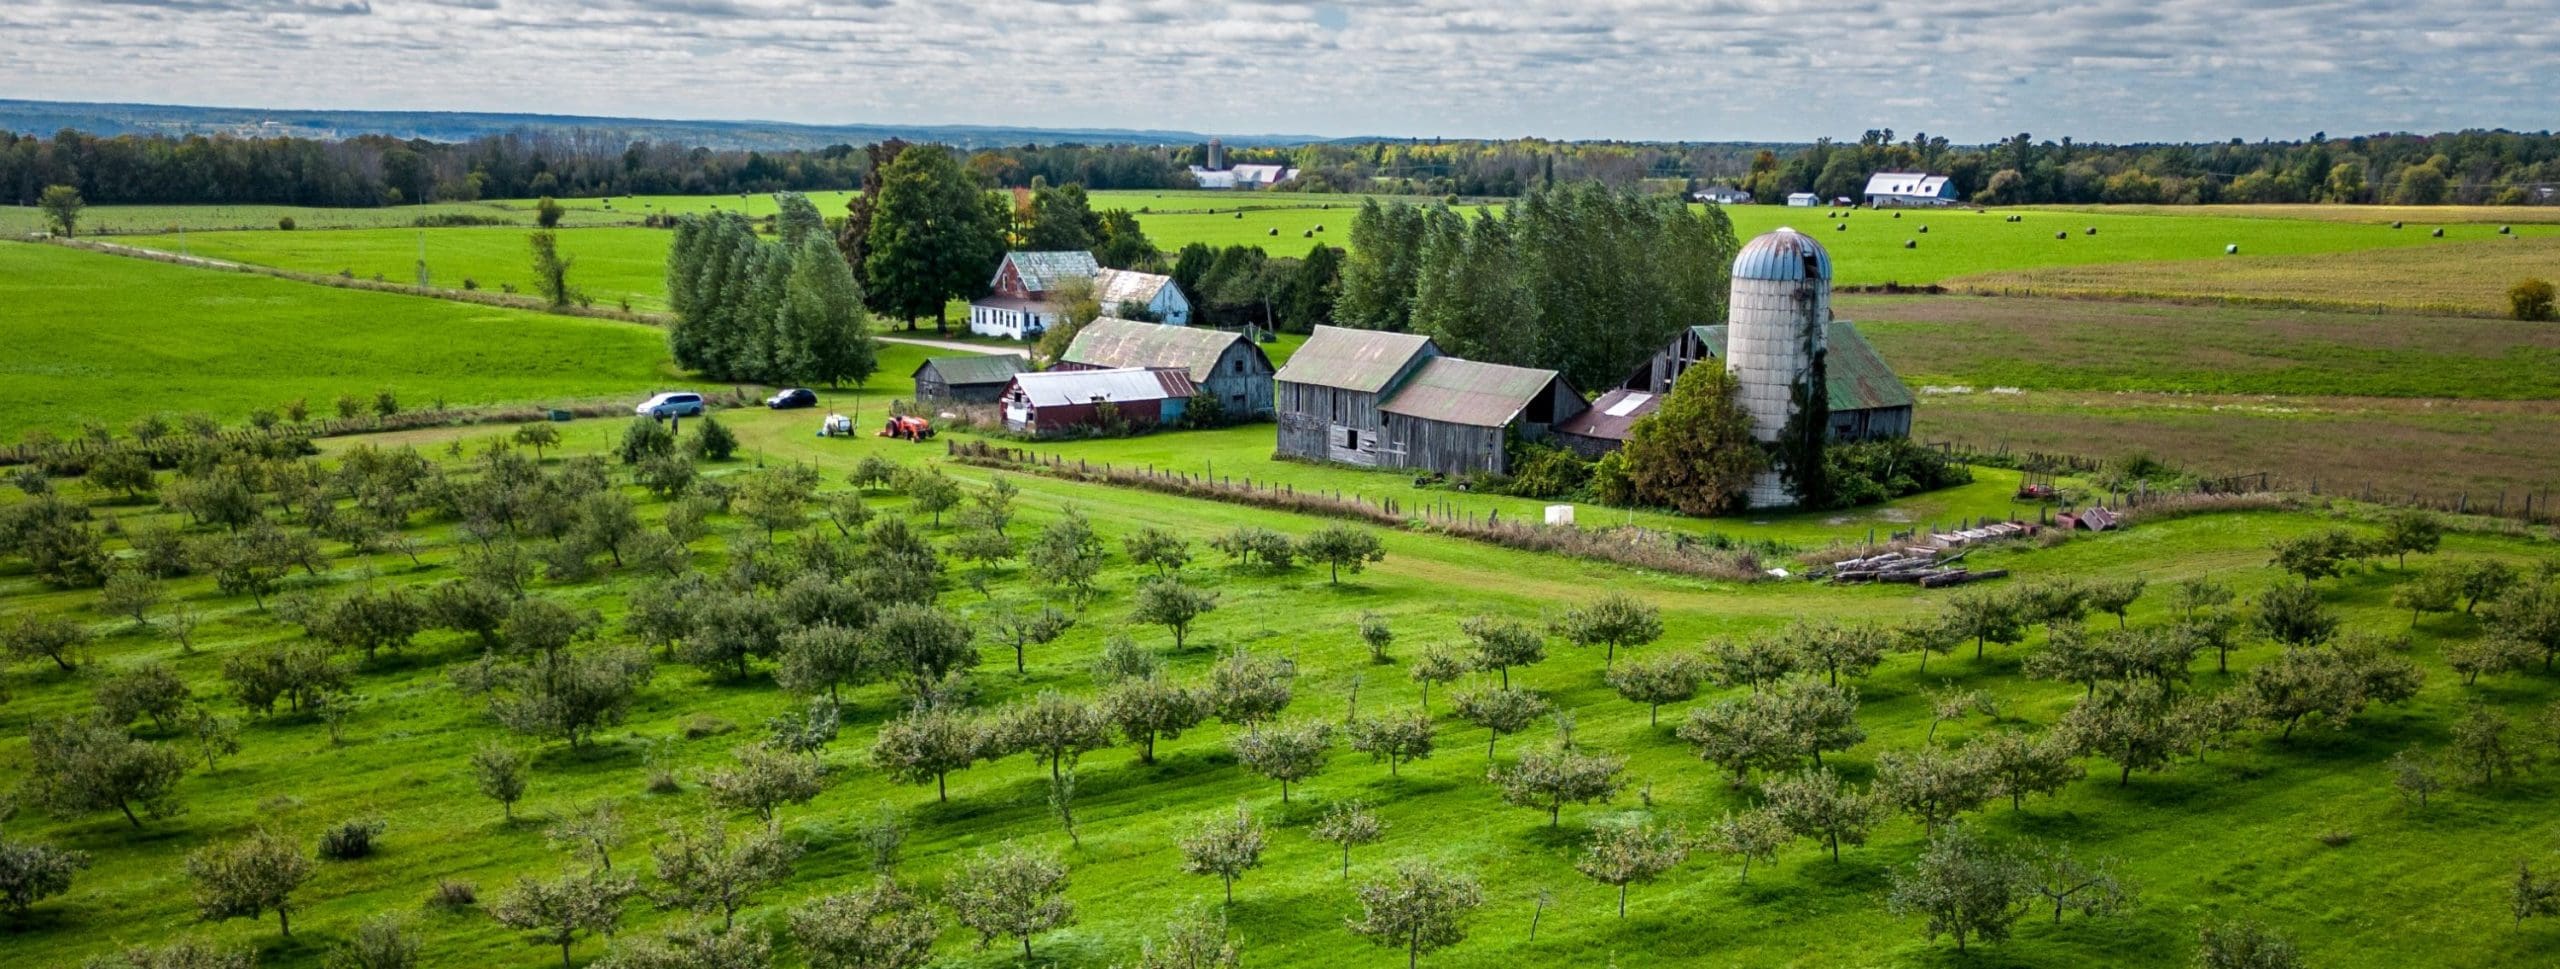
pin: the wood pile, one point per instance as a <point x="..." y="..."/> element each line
<point x="1927" y="564"/>
<point x="1992" y="532"/>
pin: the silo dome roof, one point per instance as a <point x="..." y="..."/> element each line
<point x="1784" y="254"/>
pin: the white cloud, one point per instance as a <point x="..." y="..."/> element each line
<point x="2116" y="70"/>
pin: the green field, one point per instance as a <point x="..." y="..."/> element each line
<point x="96" y="337"/>
<point x="2241" y="832"/>
<point x="619" y="263"/>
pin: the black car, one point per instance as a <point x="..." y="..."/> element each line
<point x="794" y="397"/>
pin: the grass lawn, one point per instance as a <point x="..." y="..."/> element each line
<point x="126" y="219"/>
<point x="2239" y="833"/>
<point x="105" y="338"/>
<point x="614" y="265"/>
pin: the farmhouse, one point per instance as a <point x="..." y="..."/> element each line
<point x="1056" y="401"/>
<point x="1393" y="400"/>
<point x="1219" y="362"/>
<point x="1909" y="189"/>
<point x="1721" y="195"/>
<point x="1803" y="200"/>
<point x="1017" y="300"/>
<point x="967" y="380"/>
<point x="1118" y="290"/>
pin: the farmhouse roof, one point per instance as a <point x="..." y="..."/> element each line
<point x="1346" y="359"/>
<point x="1110" y="342"/>
<point x="1040" y="271"/>
<point x="1857" y="376"/>
<point x="1009" y="303"/>
<point x="1454" y="391"/>
<point x="994" y="368"/>
<point x="1116" y="286"/>
<point x="1905" y="183"/>
<point x="1058" y="388"/>
<point x="1613" y="416"/>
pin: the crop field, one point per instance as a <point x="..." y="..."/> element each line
<point x="2342" y="398"/>
<point x="2304" y="833"/>
<point x="109" y="339"/>
<point x="2462" y="277"/>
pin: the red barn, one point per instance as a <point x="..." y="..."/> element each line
<point x="1054" y="401"/>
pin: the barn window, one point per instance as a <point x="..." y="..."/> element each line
<point x="1236" y="367"/>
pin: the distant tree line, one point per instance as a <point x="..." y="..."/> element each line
<point x="2468" y="167"/>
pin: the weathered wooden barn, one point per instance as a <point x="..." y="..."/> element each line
<point x="1115" y="289"/>
<point x="1056" y="401"/>
<point x="1222" y="363"/>
<point x="1867" y="400"/>
<point x="967" y="380"/>
<point x="1394" y="400"/>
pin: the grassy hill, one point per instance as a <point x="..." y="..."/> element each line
<point x="108" y="338"/>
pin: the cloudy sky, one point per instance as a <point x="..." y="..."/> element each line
<point x="2112" y="70"/>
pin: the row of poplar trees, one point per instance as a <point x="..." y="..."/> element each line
<point x="1579" y="278"/>
<point x="786" y="310"/>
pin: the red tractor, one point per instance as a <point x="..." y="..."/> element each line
<point x="908" y="427"/>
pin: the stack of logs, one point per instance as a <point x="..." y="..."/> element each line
<point x="1917" y="566"/>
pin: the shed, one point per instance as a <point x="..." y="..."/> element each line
<point x="1803" y="200"/>
<point x="1608" y="422"/>
<point x="1220" y="362"/>
<point x="1327" y="397"/>
<point x="1394" y="400"/>
<point x="1457" y="415"/>
<point x="1056" y="401"/>
<point x="1891" y="189"/>
<point x="967" y="380"/>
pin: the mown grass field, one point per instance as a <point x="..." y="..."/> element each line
<point x="128" y="219"/>
<point x="627" y="263"/>
<point x="2468" y="277"/>
<point x="2345" y="399"/>
<point x="2240" y="833"/>
<point x="107" y="338"/>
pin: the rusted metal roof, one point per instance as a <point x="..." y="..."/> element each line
<point x="1112" y="342"/>
<point x="1783" y="254"/>
<point x="1455" y="391"/>
<point x="1365" y="361"/>
<point x="1612" y="416"/>
<point x="1040" y="271"/>
<point x="962" y="371"/>
<point x="1052" y="388"/>
<point x="1113" y="287"/>
<point x="1857" y="376"/>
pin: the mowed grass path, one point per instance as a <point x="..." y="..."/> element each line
<point x="108" y="338"/>
<point x="2236" y="834"/>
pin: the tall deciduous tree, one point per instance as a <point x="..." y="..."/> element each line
<point x="935" y="234"/>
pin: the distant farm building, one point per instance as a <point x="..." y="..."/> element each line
<point x="1909" y="190"/>
<point x="1803" y="200"/>
<point x="1056" y="401"/>
<point x="1017" y="300"/>
<point x="967" y="380"/>
<point x="1217" y="174"/>
<point x="1393" y="400"/>
<point x="1219" y="362"/>
<point x="1721" y="195"/>
<point x="1119" y="289"/>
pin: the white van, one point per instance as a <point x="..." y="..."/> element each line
<point x="674" y="403"/>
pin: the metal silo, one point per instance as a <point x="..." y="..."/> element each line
<point x="1781" y="310"/>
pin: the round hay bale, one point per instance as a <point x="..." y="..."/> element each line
<point x="1275" y="230"/>
<point x="1308" y="234"/>
<point x="1911" y="243"/>
<point x="2093" y="230"/>
<point x="2439" y="233"/>
<point x="2395" y="224"/>
<point x="2506" y="229"/>
<point x="2062" y="235"/>
<point x="1924" y="230"/>
<point x="1239" y="214"/>
<point x="1897" y="215"/>
<point x="1840" y="227"/>
<point x="2231" y="250"/>
<point x="1319" y="226"/>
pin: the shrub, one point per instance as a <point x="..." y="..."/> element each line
<point x="2531" y="299"/>
<point x="1868" y="472"/>
<point x="350" y="840"/>
<point x="285" y="223"/>
<point x="712" y="441"/>
<point x="1548" y="472"/>
<point x="454" y="893"/>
